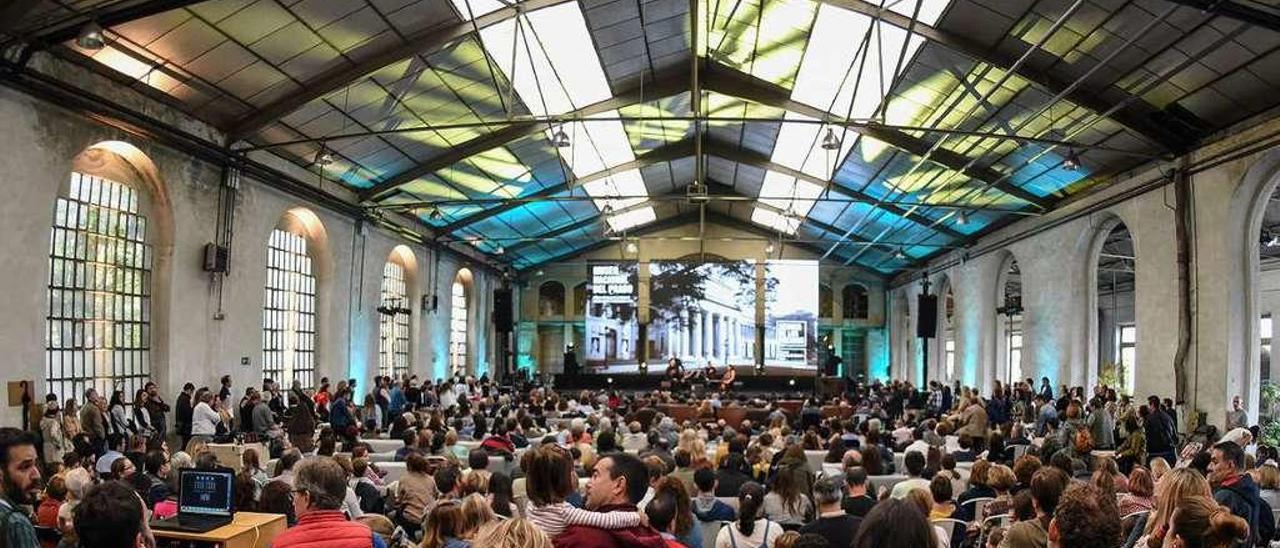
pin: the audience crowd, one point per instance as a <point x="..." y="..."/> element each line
<point x="465" y="462"/>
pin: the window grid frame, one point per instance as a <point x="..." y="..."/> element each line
<point x="291" y="316"/>
<point x="98" y="290"/>
<point x="458" y="323"/>
<point x="393" y="329"/>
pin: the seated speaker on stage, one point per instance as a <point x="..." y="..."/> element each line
<point x="730" y="375"/>
<point x="675" y="372"/>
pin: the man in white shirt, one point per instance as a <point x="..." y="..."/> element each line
<point x="914" y="462"/>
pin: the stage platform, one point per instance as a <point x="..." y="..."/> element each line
<point x="747" y="383"/>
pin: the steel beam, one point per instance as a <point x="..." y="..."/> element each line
<point x="424" y="42"/>
<point x="1142" y="121"/>
<point x="1248" y="14"/>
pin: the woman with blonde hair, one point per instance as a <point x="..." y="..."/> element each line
<point x="511" y="533"/>
<point x="476" y="513"/>
<point x="1173" y="490"/>
<point x="1203" y="523"/>
<point x="445" y="526"/>
<point x="691" y="442"/>
<point x="1267" y="477"/>
<point x="1159" y="467"/>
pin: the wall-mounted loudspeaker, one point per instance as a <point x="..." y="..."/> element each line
<point x="502" y="312"/>
<point x="927" y="316"/>
<point x="215" y="258"/>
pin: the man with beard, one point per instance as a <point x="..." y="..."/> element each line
<point x="21" y="477"/>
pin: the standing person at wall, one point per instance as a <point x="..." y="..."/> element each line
<point x="185" y="407"/>
<point x="157" y="408"/>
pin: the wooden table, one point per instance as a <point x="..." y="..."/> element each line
<point x="246" y="530"/>
<point x="229" y="456"/>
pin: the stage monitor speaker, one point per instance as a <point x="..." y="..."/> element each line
<point x="502" y="310"/>
<point x="832" y="366"/>
<point x="927" y="316"/>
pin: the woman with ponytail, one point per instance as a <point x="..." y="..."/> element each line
<point x="1202" y="523"/>
<point x="750" y="531"/>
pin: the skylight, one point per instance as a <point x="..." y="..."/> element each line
<point x="555" y="70"/>
<point x="847" y="71"/>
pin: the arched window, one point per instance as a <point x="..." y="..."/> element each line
<point x="98" y="325"/>
<point x="1116" y="325"/>
<point x="393" y="321"/>
<point x="1009" y="323"/>
<point x="289" y="310"/>
<point x="854" y="299"/>
<point x="949" y="332"/>
<point x="825" y="299"/>
<point x="458" y="324"/>
<point x="551" y="299"/>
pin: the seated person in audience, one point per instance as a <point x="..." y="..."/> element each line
<point x="1237" y="491"/>
<point x="618" y="482"/>
<point x="1085" y="518"/>
<point x="635" y="440"/>
<point x="277" y="498"/>
<point x="734" y="472"/>
<point x="833" y="523"/>
<point x="894" y="523"/>
<point x="478" y="461"/>
<point x="668" y="512"/>
<point x="369" y="494"/>
<point x="287" y="461"/>
<point x="1046" y="489"/>
<point x="445" y="526"/>
<point x="498" y="442"/>
<point x="965" y="454"/>
<point x="320" y="487"/>
<point x="78" y="481"/>
<point x="923" y="502"/>
<point x="914" y="463"/>
<point x="788" y="502"/>
<point x="940" y="490"/>
<point x="706" y="506"/>
<point x="154" y="485"/>
<point x="1203" y="523"/>
<point x="112" y="516"/>
<point x="410" y="438"/>
<point x="511" y="533"/>
<point x="750" y="529"/>
<point x="857" y="502"/>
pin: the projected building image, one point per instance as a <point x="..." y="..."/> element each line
<point x="702" y="314"/>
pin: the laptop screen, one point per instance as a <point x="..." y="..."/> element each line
<point x="205" y="492"/>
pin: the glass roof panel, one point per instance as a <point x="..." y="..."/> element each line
<point x="763" y="39"/>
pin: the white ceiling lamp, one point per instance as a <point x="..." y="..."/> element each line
<point x="435" y="214"/>
<point x="899" y="255"/>
<point x="560" y="139"/>
<point x="632" y="248"/>
<point x="962" y="219"/>
<point x="830" y="141"/>
<point x="324" y="157"/>
<point x="768" y="248"/>
<point x="1072" y="160"/>
<point x="91" y="37"/>
<point x="500" y="251"/>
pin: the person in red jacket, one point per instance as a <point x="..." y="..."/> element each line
<point x="320" y="485"/>
<point x="618" y="482"/>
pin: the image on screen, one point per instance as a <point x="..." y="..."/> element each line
<point x="612" y="327"/>
<point x="206" y="492"/>
<point x="702" y="313"/>
<point x="791" y="315"/>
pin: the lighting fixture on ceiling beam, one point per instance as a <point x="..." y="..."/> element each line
<point x="324" y="157"/>
<point x="962" y="219"/>
<point x="768" y="248"/>
<point x="500" y="251"/>
<point x="435" y="214"/>
<point x="697" y="193"/>
<point x="91" y="37"/>
<point x="560" y="139"/>
<point x="1072" y="161"/>
<point x="632" y="248"/>
<point x="899" y="255"/>
<point x="830" y="141"/>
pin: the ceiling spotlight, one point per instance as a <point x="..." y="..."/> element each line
<point x="607" y="210"/>
<point x="962" y="218"/>
<point x="560" y="139"/>
<point x="899" y="255"/>
<point x="91" y="37"/>
<point x="435" y="214"/>
<point x="539" y="273"/>
<point x="632" y="248"/>
<point x="830" y="141"/>
<point x="323" y="156"/>
<point x="500" y="251"/>
<point x="1072" y="160"/>
<point x="768" y="248"/>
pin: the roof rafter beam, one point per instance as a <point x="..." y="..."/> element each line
<point x="666" y="153"/>
<point x="715" y="147"/>
<point x="106" y="18"/>
<point x="1129" y="116"/>
<point x="424" y="42"/>
<point x="666" y="86"/>
<point x="1240" y="12"/>
<point x="732" y="82"/>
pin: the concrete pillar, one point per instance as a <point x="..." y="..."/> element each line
<point x="707" y="334"/>
<point x="695" y="336"/>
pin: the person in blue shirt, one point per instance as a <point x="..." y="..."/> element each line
<point x="706" y="506"/>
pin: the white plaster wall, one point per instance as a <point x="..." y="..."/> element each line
<point x="40" y="141"/>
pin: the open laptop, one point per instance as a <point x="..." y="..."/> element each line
<point x="204" y="501"/>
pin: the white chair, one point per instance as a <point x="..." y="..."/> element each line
<point x="874" y="483"/>
<point x="815" y="459"/>
<point x="710" y="530"/>
<point x="988" y="524"/>
<point x="951" y="526"/>
<point x="979" y="503"/>
<point x="382" y="457"/>
<point x="383" y="446"/>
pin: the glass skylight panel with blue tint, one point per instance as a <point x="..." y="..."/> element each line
<point x="848" y="78"/>
<point x="556" y="70"/>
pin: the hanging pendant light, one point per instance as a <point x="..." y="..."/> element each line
<point x="830" y="141"/>
<point x="560" y="139"/>
<point x="1072" y="161"/>
<point x="91" y="37"/>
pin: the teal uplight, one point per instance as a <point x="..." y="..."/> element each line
<point x="878" y="355"/>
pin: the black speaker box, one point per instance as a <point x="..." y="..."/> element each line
<point x="502" y="312"/>
<point x="927" y="316"/>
